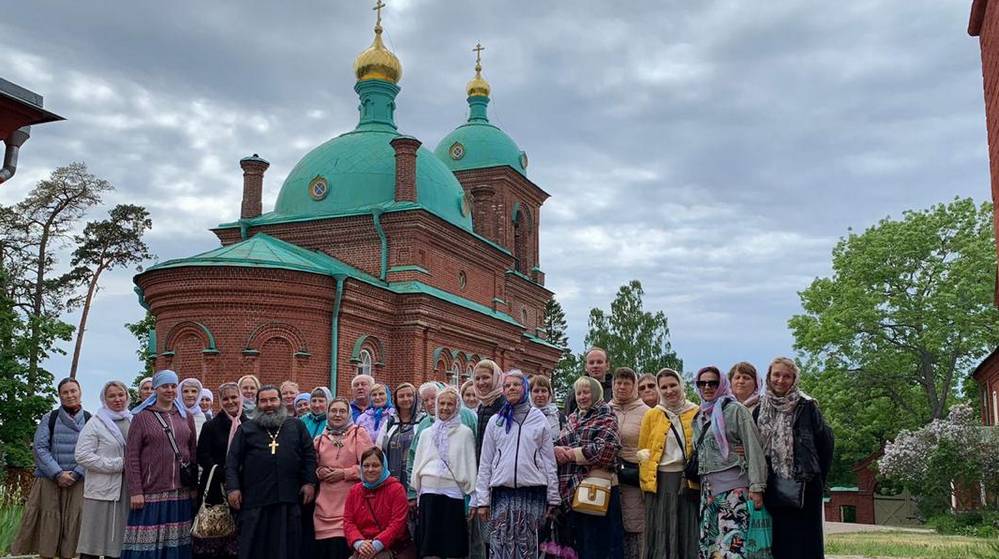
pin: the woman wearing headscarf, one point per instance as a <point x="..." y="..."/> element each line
<point x="50" y="525"/>
<point x="213" y="448"/>
<point x="316" y="420"/>
<point x="468" y="399"/>
<point x="374" y="516"/>
<point x="543" y="399"/>
<point x="248" y="387"/>
<point x="302" y="404"/>
<point x="648" y="390"/>
<point x="666" y="442"/>
<point x="443" y="474"/>
<point x="145" y="390"/>
<point x="400" y="428"/>
<point x="588" y="447"/>
<point x="101" y="451"/>
<point x="374" y="418"/>
<point x="729" y="479"/>
<point x="159" y="524"/>
<point x="799" y="447"/>
<point x="338" y="453"/>
<point x="517" y="483"/>
<point x="190" y="398"/>
<point x="745" y="382"/>
<point x="487" y="383"/>
<point x="206" y="401"/>
<point x="629" y="410"/>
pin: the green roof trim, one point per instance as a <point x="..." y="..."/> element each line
<point x="418" y="269"/>
<point x="415" y="287"/>
<point x="355" y="353"/>
<point x="845" y="489"/>
<point x="541" y="341"/>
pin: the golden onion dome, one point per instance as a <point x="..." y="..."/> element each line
<point x="478" y="86"/>
<point x="378" y="62"/>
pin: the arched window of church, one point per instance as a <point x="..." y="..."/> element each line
<point x="520" y="242"/>
<point x="469" y="371"/>
<point x="364" y="362"/>
<point x="456" y="373"/>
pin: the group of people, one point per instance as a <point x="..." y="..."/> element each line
<point x="629" y="468"/>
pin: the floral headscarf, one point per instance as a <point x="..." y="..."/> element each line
<point x="487" y="398"/>
<point x="776" y="421"/>
<point x="715" y="408"/>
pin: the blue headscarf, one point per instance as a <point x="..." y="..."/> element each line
<point x="381" y="478"/>
<point x="509" y="410"/>
<point x="303" y="396"/>
<point x="166" y="376"/>
<point x="377" y="413"/>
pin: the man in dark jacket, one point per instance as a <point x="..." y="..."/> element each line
<point x="270" y="472"/>
<point x="597" y="365"/>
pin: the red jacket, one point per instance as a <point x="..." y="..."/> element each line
<point x="391" y="507"/>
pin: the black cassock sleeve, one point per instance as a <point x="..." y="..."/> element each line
<point x="234" y="461"/>
<point x="308" y="452"/>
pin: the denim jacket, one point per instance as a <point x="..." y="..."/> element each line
<point x="740" y="430"/>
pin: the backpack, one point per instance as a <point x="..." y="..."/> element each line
<point x="54" y="416"/>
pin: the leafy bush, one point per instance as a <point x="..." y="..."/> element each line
<point x="980" y="524"/>
<point x="946" y="453"/>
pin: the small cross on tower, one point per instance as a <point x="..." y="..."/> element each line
<point x="378" y="10"/>
<point x="478" y="52"/>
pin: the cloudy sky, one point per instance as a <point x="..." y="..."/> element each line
<point x="714" y="150"/>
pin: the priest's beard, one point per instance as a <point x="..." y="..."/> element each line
<point x="271" y="419"/>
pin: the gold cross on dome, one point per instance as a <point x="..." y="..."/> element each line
<point x="478" y="52"/>
<point x="378" y="10"/>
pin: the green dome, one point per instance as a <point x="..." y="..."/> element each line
<point x="478" y="143"/>
<point x="356" y="170"/>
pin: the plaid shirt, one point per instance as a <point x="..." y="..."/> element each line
<point x="595" y="432"/>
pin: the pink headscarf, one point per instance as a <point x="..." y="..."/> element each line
<point x="716" y="412"/>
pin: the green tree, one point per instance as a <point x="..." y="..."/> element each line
<point x="30" y="232"/>
<point x="142" y="330"/>
<point x="566" y="370"/>
<point x="105" y="245"/>
<point x="22" y="402"/>
<point x="632" y="336"/>
<point x="906" y="315"/>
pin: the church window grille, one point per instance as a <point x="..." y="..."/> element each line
<point x="364" y="362"/>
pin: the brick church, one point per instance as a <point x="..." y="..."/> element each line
<point x="380" y="256"/>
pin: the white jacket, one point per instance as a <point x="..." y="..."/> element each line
<point x="461" y="458"/>
<point x="524" y="457"/>
<point x="103" y="457"/>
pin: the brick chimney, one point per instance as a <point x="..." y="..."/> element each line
<point x="253" y="185"/>
<point x="405" y="168"/>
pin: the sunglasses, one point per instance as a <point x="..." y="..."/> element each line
<point x="708" y="383"/>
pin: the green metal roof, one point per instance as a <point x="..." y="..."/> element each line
<point x="483" y="144"/>
<point x="264" y="251"/>
<point x="359" y="168"/>
<point x="420" y="287"/>
<point x="542" y="341"/>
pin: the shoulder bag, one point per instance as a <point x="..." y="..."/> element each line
<point x="689" y="488"/>
<point x="592" y="496"/>
<point x="213" y="521"/>
<point x="690" y="471"/>
<point x="188" y="470"/>
<point x="784" y="493"/>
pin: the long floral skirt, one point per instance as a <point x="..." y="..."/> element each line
<point x="514" y="519"/>
<point x="724" y="523"/>
<point x="161" y="529"/>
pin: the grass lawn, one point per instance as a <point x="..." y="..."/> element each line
<point x="911" y="545"/>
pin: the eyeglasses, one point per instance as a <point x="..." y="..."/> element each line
<point x="708" y="383"/>
<point x="647" y="387"/>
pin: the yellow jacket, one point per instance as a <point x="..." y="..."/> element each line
<point x="652" y="442"/>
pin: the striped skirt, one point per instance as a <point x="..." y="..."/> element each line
<point x="514" y="519"/>
<point x="161" y="529"/>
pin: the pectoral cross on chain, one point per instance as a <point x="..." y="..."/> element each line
<point x="274" y="444"/>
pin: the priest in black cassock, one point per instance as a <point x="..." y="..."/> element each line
<point x="270" y="473"/>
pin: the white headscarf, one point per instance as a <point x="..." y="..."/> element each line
<point x="108" y="416"/>
<point x="441" y="429"/>
<point x="194" y="410"/>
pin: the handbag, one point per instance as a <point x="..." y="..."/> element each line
<point x="759" y="536"/>
<point x="188" y="470"/>
<point x="213" y="521"/>
<point x="627" y="473"/>
<point x="690" y="471"/>
<point x="689" y="489"/>
<point x="784" y="493"/>
<point x="592" y="496"/>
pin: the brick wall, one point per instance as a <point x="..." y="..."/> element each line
<point x="985" y="24"/>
